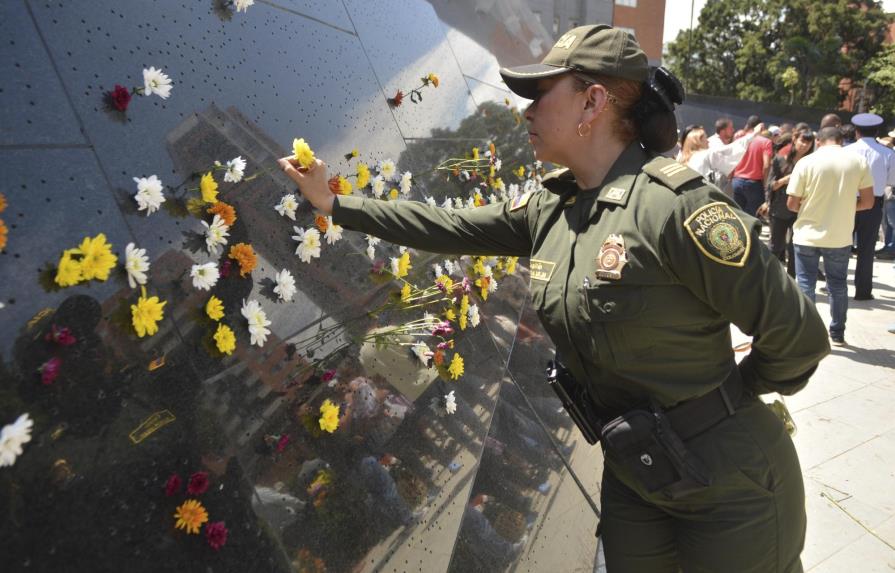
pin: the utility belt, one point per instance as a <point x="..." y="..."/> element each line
<point x="649" y="441"/>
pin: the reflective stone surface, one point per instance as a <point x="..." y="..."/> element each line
<point x="405" y="482"/>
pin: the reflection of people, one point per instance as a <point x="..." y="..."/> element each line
<point x="652" y="325"/>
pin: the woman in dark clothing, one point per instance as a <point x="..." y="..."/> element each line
<point x="775" y="200"/>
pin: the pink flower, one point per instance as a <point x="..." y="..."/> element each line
<point x="61" y="336"/>
<point x="282" y="443"/>
<point x="198" y="483"/>
<point x="467" y="285"/>
<point x="328" y="375"/>
<point x="216" y="534"/>
<point x="49" y="370"/>
<point x="445" y="345"/>
<point x="443" y="329"/>
<point x="378" y="266"/>
<point x="224" y="269"/>
<point x="172" y="486"/>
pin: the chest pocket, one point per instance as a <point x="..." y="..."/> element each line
<point x="616" y="314"/>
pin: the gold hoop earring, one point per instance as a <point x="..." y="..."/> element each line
<point x="579" y="129"/>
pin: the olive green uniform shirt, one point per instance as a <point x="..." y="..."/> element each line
<point x="659" y="324"/>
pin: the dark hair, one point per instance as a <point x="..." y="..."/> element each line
<point x="752" y="122"/>
<point x="830" y="133"/>
<point x="848" y="131"/>
<point x="867" y="131"/>
<point x="802" y="126"/>
<point x="722" y="123"/>
<point x="799" y="134"/>
<point x="686" y="131"/>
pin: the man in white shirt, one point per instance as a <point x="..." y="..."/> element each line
<point x="881" y="161"/>
<point x="822" y="189"/>
<point x="723" y="133"/>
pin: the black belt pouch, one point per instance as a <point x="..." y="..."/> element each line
<point x="644" y="443"/>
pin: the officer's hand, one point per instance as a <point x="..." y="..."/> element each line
<point x="763" y="210"/>
<point x="312" y="182"/>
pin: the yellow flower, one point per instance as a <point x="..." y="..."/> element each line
<point x="354" y="152"/>
<point x="475" y="152"/>
<point x="450" y="314"/>
<point x="479" y="266"/>
<point x="456" y="367"/>
<point x="405" y="292"/>
<point x="2" y="202"/>
<point x="511" y="265"/>
<point x="190" y="516"/>
<point x="214" y="308"/>
<point x="520" y="172"/>
<point x="492" y="171"/>
<point x="404" y="265"/>
<point x="303" y="153"/>
<point x="209" y="188"/>
<point x="462" y="322"/>
<point x="363" y="175"/>
<point x="69" y="272"/>
<point x="446" y="282"/>
<point x="3" y="232"/>
<point x="146" y="314"/>
<point x="393" y="194"/>
<point x="432" y="79"/>
<point x="478" y="199"/>
<point x="464" y="304"/>
<point x="483" y="283"/>
<point x="344" y="186"/>
<point x="329" y="417"/>
<point x="225" y="339"/>
<point x="97" y="258"/>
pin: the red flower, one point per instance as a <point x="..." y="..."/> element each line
<point x="328" y="375"/>
<point x="397" y="100"/>
<point x="172" y="486"/>
<point x="198" y="483"/>
<point x="61" y="336"/>
<point x="282" y="442"/>
<point x="224" y="270"/>
<point x="120" y="97"/>
<point x="49" y="370"/>
<point x="216" y="534"/>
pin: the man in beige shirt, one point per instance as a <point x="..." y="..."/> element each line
<point x="822" y="190"/>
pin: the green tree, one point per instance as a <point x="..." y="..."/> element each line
<point x="880" y="72"/>
<point x="743" y="48"/>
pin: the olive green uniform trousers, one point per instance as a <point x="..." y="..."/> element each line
<point x="751" y="520"/>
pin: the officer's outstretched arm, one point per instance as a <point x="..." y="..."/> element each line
<point x="495" y="229"/>
<point x="714" y="249"/>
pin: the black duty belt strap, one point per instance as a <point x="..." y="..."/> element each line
<point x="697" y="415"/>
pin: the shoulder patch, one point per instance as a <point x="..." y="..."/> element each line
<point x="670" y="173"/>
<point x="520" y="201"/>
<point x="720" y="234"/>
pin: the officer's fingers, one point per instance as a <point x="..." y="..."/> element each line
<point x="290" y="170"/>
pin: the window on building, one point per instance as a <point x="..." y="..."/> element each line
<point x="628" y="30"/>
<point x="629" y="3"/>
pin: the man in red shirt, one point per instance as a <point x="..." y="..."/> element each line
<point x="749" y="176"/>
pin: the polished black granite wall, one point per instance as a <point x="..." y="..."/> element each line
<point x="504" y="483"/>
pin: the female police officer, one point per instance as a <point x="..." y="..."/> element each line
<point x="638" y="267"/>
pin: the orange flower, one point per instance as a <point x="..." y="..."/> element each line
<point x="321" y="222"/>
<point x="439" y="357"/>
<point x="3" y="232"/>
<point x="225" y="210"/>
<point x="2" y="203"/>
<point x="245" y="256"/>
<point x="190" y="516"/>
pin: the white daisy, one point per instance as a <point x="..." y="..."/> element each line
<point x="156" y="82"/>
<point x="136" y="264"/>
<point x="437" y="269"/>
<point x="538" y="165"/>
<point x="243" y="5"/>
<point x="497" y="164"/>
<point x="492" y="284"/>
<point x="333" y="232"/>
<point x="308" y="243"/>
<point x="216" y="235"/>
<point x="448" y="205"/>
<point x="513" y="189"/>
<point x="420" y="350"/>
<point x="458" y="203"/>
<point x="443" y="405"/>
<point x="235" y="170"/>
<point x="402" y="249"/>
<point x="287" y="206"/>
<point x="257" y="319"/>
<point x="378" y="186"/>
<point x="473" y="314"/>
<point x="406" y="182"/>
<point x="464" y="175"/>
<point x="430" y="201"/>
<point x="205" y="276"/>
<point x="395" y="266"/>
<point x="285" y="285"/>
<point x="12" y="437"/>
<point x="470" y="203"/>
<point x="149" y="195"/>
<point x="387" y="169"/>
<point x="449" y="266"/>
<point x="492" y="198"/>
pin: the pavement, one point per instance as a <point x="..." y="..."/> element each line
<point x="845" y="437"/>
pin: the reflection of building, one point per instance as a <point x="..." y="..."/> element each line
<point x="645" y="20"/>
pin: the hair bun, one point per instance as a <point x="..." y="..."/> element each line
<point x="654" y="112"/>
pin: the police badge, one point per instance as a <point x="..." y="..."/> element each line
<point x="612" y="258"/>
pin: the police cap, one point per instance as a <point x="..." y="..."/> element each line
<point x="592" y="50"/>
<point x="866" y="120"/>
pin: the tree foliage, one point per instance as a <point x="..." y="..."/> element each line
<point x="786" y="51"/>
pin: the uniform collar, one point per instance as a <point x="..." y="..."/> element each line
<point x="616" y="187"/>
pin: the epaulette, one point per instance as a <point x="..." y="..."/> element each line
<point x="670" y="173"/>
<point x="557" y="180"/>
